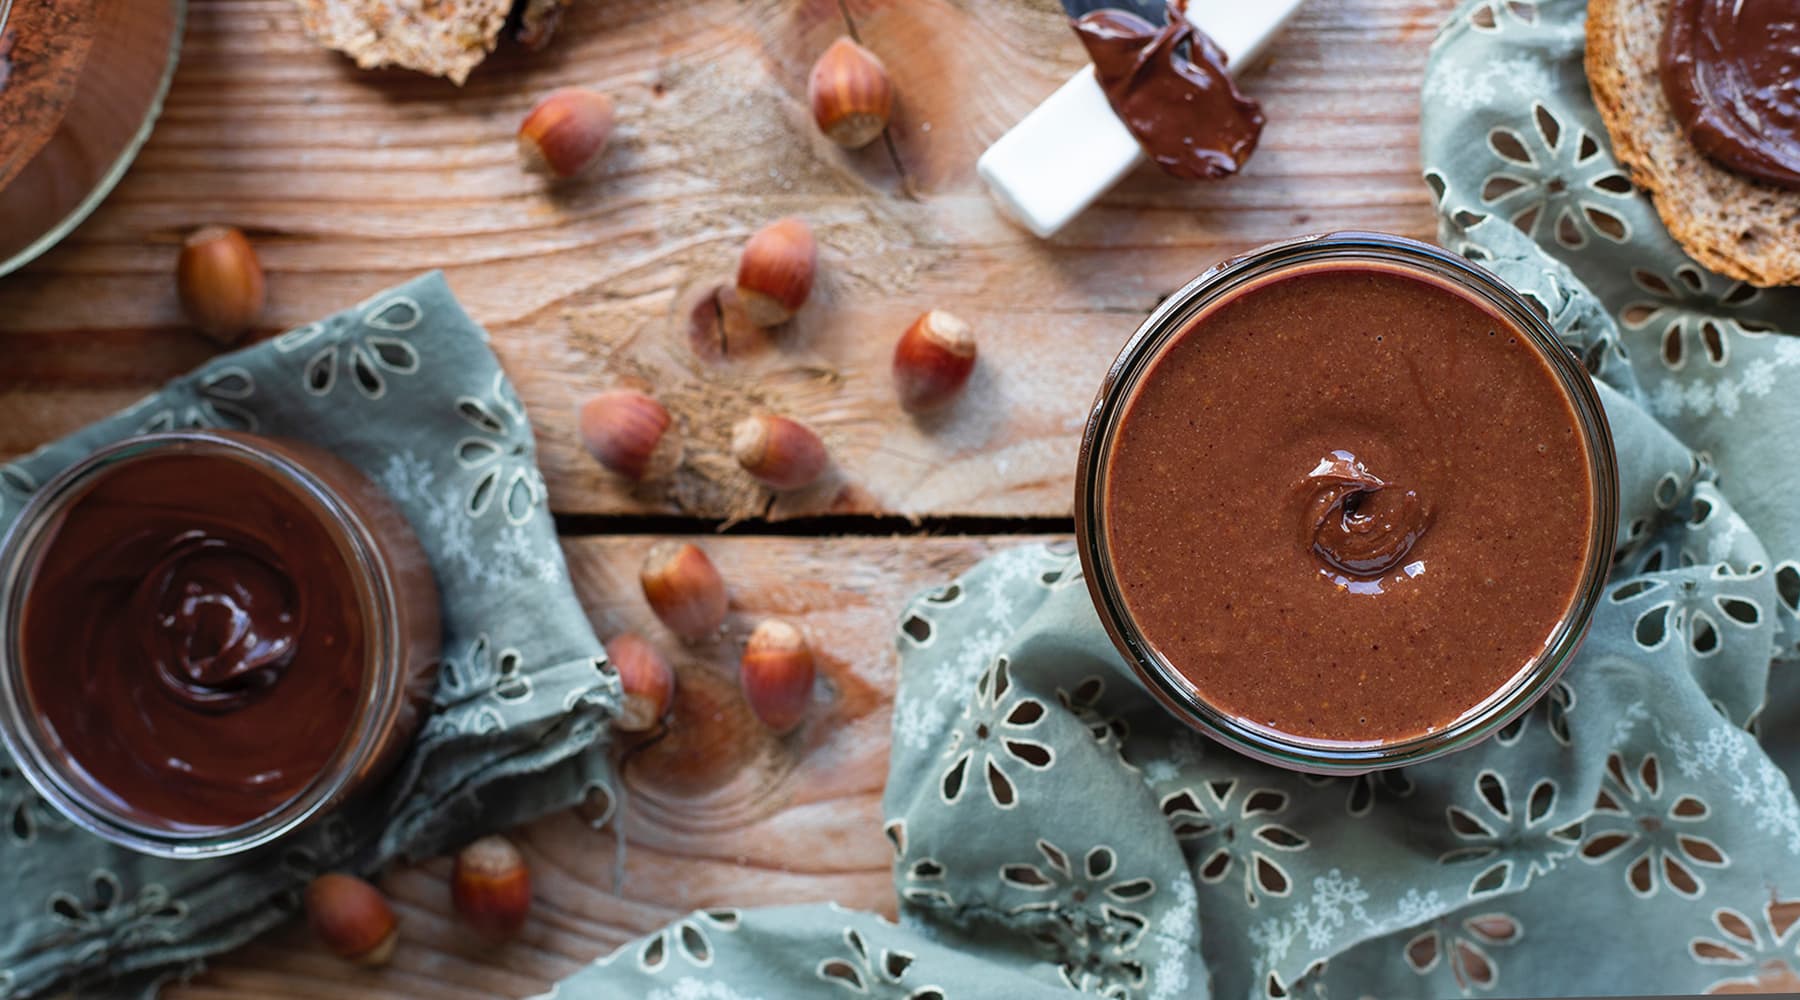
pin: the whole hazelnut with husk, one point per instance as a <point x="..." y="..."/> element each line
<point x="777" y="673"/>
<point x="490" y="887"/>
<point x="220" y="282"/>
<point x="684" y="588"/>
<point x="852" y="97"/>
<point x="565" y="133"/>
<point x="645" y="677"/>
<point x="782" y="454"/>
<point x="775" y="273"/>
<point x="352" y="918"/>
<point x="630" y="433"/>
<point x="932" y="361"/>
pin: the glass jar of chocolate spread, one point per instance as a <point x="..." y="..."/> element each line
<point x="208" y="639"/>
<point x="1346" y="503"/>
<point x="81" y="82"/>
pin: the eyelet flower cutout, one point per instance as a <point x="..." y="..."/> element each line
<point x="1492" y="15"/>
<point x="109" y="923"/>
<point x="992" y="739"/>
<point x="1558" y="178"/>
<point x="1517" y="834"/>
<point x="1462" y="944"/>
<point x="874" y="974"/>
<point x="1689" y="310"/>
<point x="22" y="813"/>
<point x="1309" y="985"/>
<point x="1630" y="820"/>
<point x="687" y="939"/>
<point x="367" y="359"/>
<point x="1082" y="918"/>
<point x="499" y="457"/>
<point x="217" y="399"/>
<point x="1084" y="702"/>
<point x="483" y="672"/>
<point x="1240" y="841"/>
<point x="1366" y="789"/>
<point x="1679" y="610"/>
<point x="1764" y="951"/>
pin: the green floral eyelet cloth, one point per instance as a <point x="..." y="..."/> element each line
<point x="405" y="387"/>
<point x="1054" y="833"/>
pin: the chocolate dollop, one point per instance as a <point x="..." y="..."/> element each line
<point x="1731" y="71"/>
<point x="1356" y="522"/>
<point x="1169" y="86"/>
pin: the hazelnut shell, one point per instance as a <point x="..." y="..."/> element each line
<point x="782" y="454"/>
<point x="932" y="361"/>
<point x="220" y="282"/>
<point x="490" y="887"/>
<point x="565" y="133"/>
<point x="851" y="94"/>
<point x="352" y="918"/>
<point x="684" y="588"/>
<point x="775" y="273"/>
<point x="777" y="673"/>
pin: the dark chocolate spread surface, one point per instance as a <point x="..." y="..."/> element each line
<point x="1349" y="503"/>
<point x="193" y="640"/>
<point x="1731" y="71"/>
<point x="1169" y="86"/>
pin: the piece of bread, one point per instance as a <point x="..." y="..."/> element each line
<point x="445" y="38"/>
<point x="1735" y="225"/>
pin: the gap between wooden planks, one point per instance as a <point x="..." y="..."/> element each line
<point x="352" y="181"/>
<point x="718" y="813"/>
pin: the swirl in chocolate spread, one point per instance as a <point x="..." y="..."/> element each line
<point x="1169" y="86"/>
<point x="1357" y="523"/>
<point x="218" y="619"/>
<point x="1731" y="72"/>
<point x="194" y="641"/>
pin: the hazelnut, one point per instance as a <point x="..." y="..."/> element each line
<point x="775" y="274"/>
<point x="784" y="454"/>
<point x="684" y="588"/>
<point x="645" y="677"/>
<point x="933" y="360"/>
<point x="491" y="888"/>
<point x="628" y="432"/>
<point x="777" y="674"/>
<point x="852" y="97"/>
<point x="220" y="282"/>
<point x="565" y="133"/>
<point x="353" y="918"/>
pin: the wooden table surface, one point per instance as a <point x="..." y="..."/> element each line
<point x="351" y="181"/>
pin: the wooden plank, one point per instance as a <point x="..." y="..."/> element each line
<point x="352" y="181"/>
<point x="718" y="813"/>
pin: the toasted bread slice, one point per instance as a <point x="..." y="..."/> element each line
<point x="441" y="37"/>
<point x="1738" y="226"/>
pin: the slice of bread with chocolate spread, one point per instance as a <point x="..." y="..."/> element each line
<point x="1733" y="224"/>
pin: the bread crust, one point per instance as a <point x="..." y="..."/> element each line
<point x="1735" y="225"/>
<point x="447" y="38"/>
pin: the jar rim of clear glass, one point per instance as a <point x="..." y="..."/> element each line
<point x="1139" y="355"/>
<point x="384" y="683"/>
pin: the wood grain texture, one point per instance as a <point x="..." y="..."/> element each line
<point x="718" y="813"/>
<point x="353" y="181"/>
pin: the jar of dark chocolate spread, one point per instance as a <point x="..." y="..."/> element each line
<point x="209" y="639"/>
<point x="1346" y="503"/>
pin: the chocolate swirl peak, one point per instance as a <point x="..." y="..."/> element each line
<point x="1356" y="522"/>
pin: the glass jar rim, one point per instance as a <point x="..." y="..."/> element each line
<point x="1138" y="356"/>
<point x="383" y="690"/>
